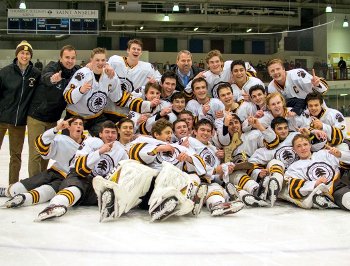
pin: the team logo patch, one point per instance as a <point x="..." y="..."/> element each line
<point x="319" y="169"/>
<point x="239" y="158"/>
<point x="79" y="76"/>
<point x="339" y="118"/>
<point x="104" y="166"/>
<point x="97" y="102"/>
<point x="301" y="74"/>
<point x="208" y="157"/>
<point x="214" y="90"/>
<point x="126" y="84"/>
<point x="168" y="157"/>
<point x="286" y="155"/>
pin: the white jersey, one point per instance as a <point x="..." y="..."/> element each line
<point x="283" y="152"/>
<point x="197" y="109"/>
<point x="320" y="164"/>
<point x="245" y="109"/>
<point x="251" y="81"/>
<point x="207" y="153"/>
<point x="60" y="148"/>
<point x="333" y="124"/>
<point x="143" y="150"/>
<point x="91" y="103"/>
<point x="248" y="142"/>
<point x="298" y="84"/>
<point x="135" y="77"/>
<point x="88" y="160"/>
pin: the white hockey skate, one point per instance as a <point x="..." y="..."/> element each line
<point x="51" y="211"/>
<point x="108" y="205"/>
<point x="14" y="202"/>
<point x="225" y="208"/>
<point x="199" y="199"/>
<point x="323" y="202"/>
<point x="247" y="198"/>
<point x="164" y="210"/>
<point x="273" y="190"/>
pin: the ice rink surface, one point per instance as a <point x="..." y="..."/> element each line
<point x="283" y="235"/>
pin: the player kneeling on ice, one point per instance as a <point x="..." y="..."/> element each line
<point x="314" y="180"/>
<point x="96" y="156"/>
<point x="61" y="148"/>
<point x="217" y="199"/>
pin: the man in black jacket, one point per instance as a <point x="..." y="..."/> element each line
<point x="48" y="103"/>
<point x="18" y="82"/>
<point x="184" y="69"/>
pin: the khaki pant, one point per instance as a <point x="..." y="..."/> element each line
<point x="16" y="140"/>
<point x="36" y="164"/>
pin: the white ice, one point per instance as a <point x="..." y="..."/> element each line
<point x="282" y="235"/>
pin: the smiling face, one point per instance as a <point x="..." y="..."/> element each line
<point x="282" y="131"/>
<point x="235" y="126"/>
<point x="258" y="97"/>
<point x="189" y="120"/>
<point x="179" y="104"/>
<point x="165" y="135"/>
<point x="181" y="129"/>
<point x="152" y="93"/>
<point x="134" y="52"/>
<point x="108" y="135"/>
<point x="126" y="132"/>
<point x="23" y="58"/>
<point x="68" y="58"/>
<point x="239" y="74"/>
<point x="226" y="97"/>
<point x="215" y="65"/>
<point x="277" y="72"/>
<point x="200" y="90"/>
<point x="314" y="107"/>
<point x="302" y="147"/>
<point x="168" y="87"/>
<point x="276" y="106"/>
<point x="98" y="62"/>
<point x="204" y="133"/>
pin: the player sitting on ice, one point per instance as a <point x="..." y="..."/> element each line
<point x="96" y="156"/>
<point x="175" y="192"/>
<point x="51" y="145"/>
<point x="313" y="179"/>
<point x="217" y="199"/>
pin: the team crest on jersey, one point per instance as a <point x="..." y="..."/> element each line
<point x="168" y="157"/>
<point x="97" y="101"/>
<point x="126" y="84"/>
<point x="208" y="157"/>
<point x="131" y="114"/>
<point x="79" y="76"/>
<point x="214" y="90"/>
<point x="286" y="155"/>
<point x="339" y="118"/>
<point x="104" y="166"/>
<point x="301" y="74"/>
<point x="239" y="158"/>
<point x="319" y="169"/>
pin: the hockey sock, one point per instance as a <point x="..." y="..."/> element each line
<point x="67" y="197"/>
<point x="345" y="200"/>
<point x="39" y="195"/>
<point x="17" y="188"/>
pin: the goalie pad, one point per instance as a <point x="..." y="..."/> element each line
<point x="129" y="181"/>
<point x="172" y="182"/>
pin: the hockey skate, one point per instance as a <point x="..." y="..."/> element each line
<point x="107" y="205"/>
<point x="273" y="190"/>
<point x="248" y="199"/>
<point x="225" y="208"/>
<point x="3" y="192"/>
<point x="14" y="202"/>
<point x="323" y="202"/>
<point x="51" y="211"/>
<point x="199" y="198"/>
<point x="164" y="210"/>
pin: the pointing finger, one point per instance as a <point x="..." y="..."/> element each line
<point x="313" y="73"/>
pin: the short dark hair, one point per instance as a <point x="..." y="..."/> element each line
<point x="74" y="118"/>
<point x="124" y="120"/>
<point x="202" y="122"/>
<point x="277" y="121"/>
<point x="68" y="48"/>
<point x="154" y="85"/>
<point x="186" y="112"/>
<point x="257" y="87"/>
<point x="223" y="86"/>
<point x="178" y="121"/>
<point x="196" y="80"/>
<point x="314" y="96"/>
<point x="135" y="41"/>
<point x="168" y="75"/>
<point x="238" y="62"/>
<point x="107" y="124"/>
<point x="160" y="125"/>
<point x="177" y="95"/>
